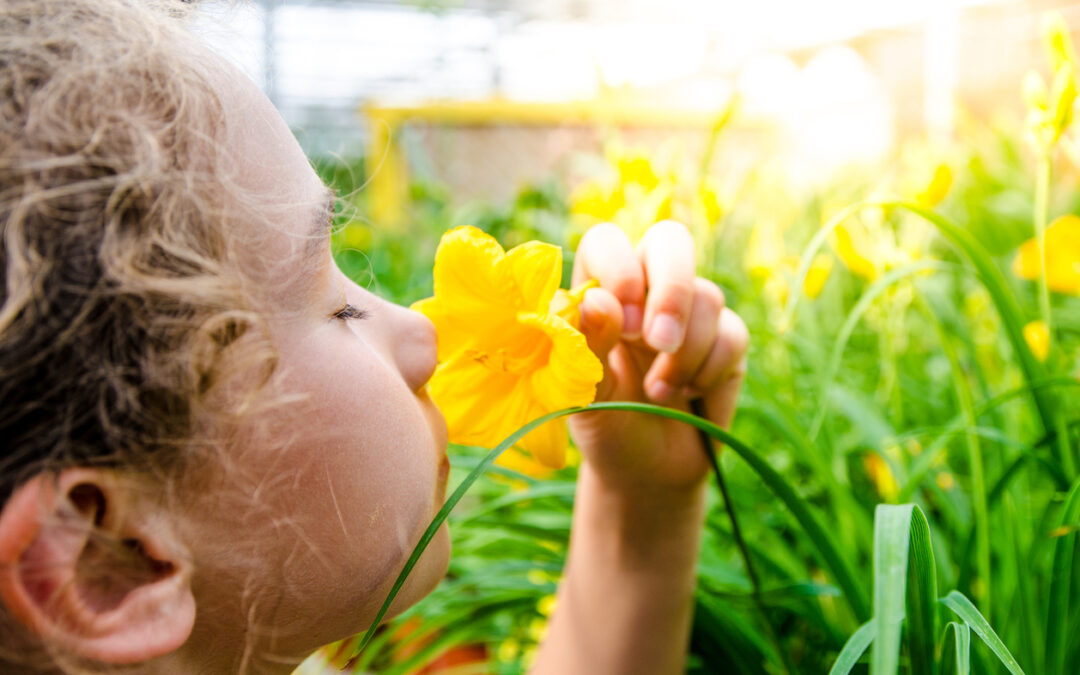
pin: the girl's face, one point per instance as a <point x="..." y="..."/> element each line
<point x="299" y="535"/>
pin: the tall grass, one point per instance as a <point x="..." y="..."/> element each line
<point x="903" y="463"/>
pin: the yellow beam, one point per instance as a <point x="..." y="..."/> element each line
<point x="497" y="111"/>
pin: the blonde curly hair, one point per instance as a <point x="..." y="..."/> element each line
<point x="121" y="292"/>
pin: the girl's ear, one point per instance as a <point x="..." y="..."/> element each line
<point x="90" y="564"/>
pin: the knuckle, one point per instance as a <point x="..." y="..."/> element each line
<point x="627" y="286"/>
<point x="675" y="297"/>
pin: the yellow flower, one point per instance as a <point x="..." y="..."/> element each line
<point x="848" y="252"/>
<point x="1062" y="256"/>
<point x="636" y="168"/>
<point x="1037" y="336"/>
<point x="881" y="475"/>
<point x="937" y="188"/>
<point x="817" y="275"/>
<point x="597" y="200"/>
<point x="505" y="355"/>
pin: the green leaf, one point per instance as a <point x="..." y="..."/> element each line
<point x="1046" y="403"/>
<point x="963" y="608"/>
<point x="956" y="650"/>
<point x="823" y="542"/>
<point x="921" y="596"/>
<point x="892" y="538"/>
<point x="869" y="295"/>
<point x="854" y="649"/>
<point x="1058" y="620"/>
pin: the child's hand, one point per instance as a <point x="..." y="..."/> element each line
<point x="665" y="337"/>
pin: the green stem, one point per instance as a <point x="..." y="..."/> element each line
<point x="1042" y="193"/>
<point x="979" y="507"/>
<point x="698" y="408"/>
<point x="826" y="548"/>
<point x="1042" y="207"/>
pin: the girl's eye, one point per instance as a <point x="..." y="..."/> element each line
<point x="349" y="312"/>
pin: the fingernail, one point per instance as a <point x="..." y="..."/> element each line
<point x="665" y="333"/>
<point x="631" y="322"/>
<point x="659" y="390"/>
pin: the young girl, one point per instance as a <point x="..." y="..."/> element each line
<point x="217" y="451"/>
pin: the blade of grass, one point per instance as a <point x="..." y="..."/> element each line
<point x="1060" y="580"/>
<point x="956" y="650"/>
<point x="851" y="321"/>
<point x="892" y="538"/>
<point x="963" y="608"/>
<point x="824" y="545"/>
<point x="1046" y="404"/>
<point x="698" y="408"/>
<point x="926" y="461"/>
<point x="1019" y="539"/>
<point x="921" y="598"/>
<point x="979" y="507"/>
<point x="854" y="648"/>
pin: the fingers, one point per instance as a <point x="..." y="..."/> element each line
<point x="601" y="320"/>
<point x="727" y="356"/>
<point x="706" y="367"/>
<point x="729" y="360"/>
<point x="605" y="254"/>
<point x="700" y="344"/>
<point x="601" y="323"/>
<point x="670" y="373"/>
<point x="667" y="254"/>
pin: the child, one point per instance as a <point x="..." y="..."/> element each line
<point x="217" y="450"/>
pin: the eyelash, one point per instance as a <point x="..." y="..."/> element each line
<point x="350" y="312"/>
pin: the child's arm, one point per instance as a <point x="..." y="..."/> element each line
<point x="626" y="599"/>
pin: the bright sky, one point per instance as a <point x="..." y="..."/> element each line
<point x="334" y="56"/>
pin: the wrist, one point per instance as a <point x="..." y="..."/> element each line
<point x="642" y="523"/>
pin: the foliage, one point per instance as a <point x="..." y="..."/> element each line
<point x="912" y="400"/>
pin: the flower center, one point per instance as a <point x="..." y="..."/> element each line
<point x="525" y="350"/>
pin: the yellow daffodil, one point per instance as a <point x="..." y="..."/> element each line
<point x="506" y="355"/>
<point x="881" y="475"/>
<point x="1050" y="112"/>
<point x="1062" y="256"/>
<point x="817" y="275"/>
<point x="632" y="193"/>
<point x="1037" y="336"/>
<point x="936" y="188"/>
<point x="850" y="253"/>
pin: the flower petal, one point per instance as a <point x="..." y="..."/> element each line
<point x="547" y="443"/>
<point x="467" y="278"/>
<point x="482" y="405"/>
<point x="572" y="371"/>
<point x="536" y="269"/>
<point x="1062" y="256"/>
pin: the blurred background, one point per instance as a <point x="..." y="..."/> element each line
<point x="922" y="352"/>
<point x="825" y="83"/>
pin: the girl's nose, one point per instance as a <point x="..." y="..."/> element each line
<point x="415" y="348"/>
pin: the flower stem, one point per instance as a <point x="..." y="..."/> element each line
<point x="698" y="408"/>
<point x="1042" y="193"/>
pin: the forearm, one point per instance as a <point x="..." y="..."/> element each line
<point x="626" y="600"/>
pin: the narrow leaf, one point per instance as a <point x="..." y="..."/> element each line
<point x="921" y="596"/>
<point x="824" y="543"/>
<point x="854" y="648"/>
<point x="956" y="650"/>
<point x="1061" y="576"/>
<point x="892" y="537"/>
<point x="963" y="608"/>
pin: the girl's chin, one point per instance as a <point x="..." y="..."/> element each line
<point x="426" y="575"/>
